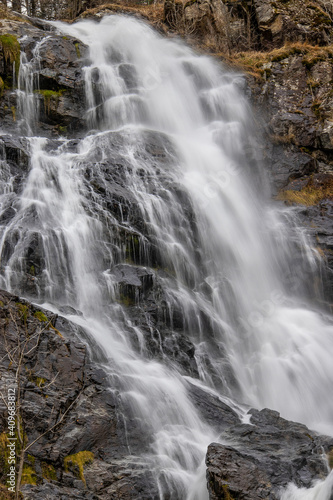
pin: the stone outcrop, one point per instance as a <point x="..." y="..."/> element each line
<point x="259" y="24"/>
<point x="262" y="457"/>
<point x="281" y="22"/>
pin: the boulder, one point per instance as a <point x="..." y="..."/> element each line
<point x="262" y="457"/>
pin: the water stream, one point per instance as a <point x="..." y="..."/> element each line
<point x="233" y="261"/>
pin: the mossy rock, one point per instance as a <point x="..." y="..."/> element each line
<point x="76" y="463"/>
<point x="4" y="455"/>
<point x="226" y="493"/>
<point x="29" y="475"/>
<point x="23" y="311"/>
<point x="11" y="50"/>
<point x="50" y="97"/>
<point x="41" y="316"/>
<point x="77" y="49"/>
<point x="48" y="472"/>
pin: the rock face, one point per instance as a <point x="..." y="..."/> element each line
<point x="261" y="24"/>
<point x="280" y="22"/>
<point x="59" y="383"/>
<point x="59" y="60"/>
<point x="73" y="418"/>
<point x="267" y="454"/>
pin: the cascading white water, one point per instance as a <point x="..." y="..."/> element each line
<point x="28" y="82"/>
<point x="235" y="266"/>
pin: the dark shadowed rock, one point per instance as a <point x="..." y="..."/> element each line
<point x="263" y="457"/>
<point x="58" y="377"/>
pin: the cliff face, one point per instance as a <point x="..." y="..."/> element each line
<point x="73" y="426"/>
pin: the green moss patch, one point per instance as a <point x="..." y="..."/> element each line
<point x="77" y="49"/>
<point x="77" y="462"/>
<point x="11" y="50"/>
<point x="23" y="311"/>
<point x="4" y="455"/>
<point x="41" y="316"/>
<point x="29" y="475"/>
<point x="50" y="97"/>
<point x="48" y="472"/>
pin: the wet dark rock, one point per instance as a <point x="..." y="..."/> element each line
<point x="213" y="410"/>
<point x="14" y="151"/>
<point x="141" y="291"/>
<point x="295" y="97"/>
<point x="59" y="375"/>
<point x="61" y="84"/>
<point x="263" y="457"/>
<point x="128" y="73"/>
<point x="287" y="164"/>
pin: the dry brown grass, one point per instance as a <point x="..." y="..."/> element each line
<point x="154" y="12"/>
<point x="253" y="62"/>
<point x="312" y="194"/>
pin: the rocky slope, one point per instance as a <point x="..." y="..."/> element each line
<point x="75" y="431"/>
<point x="68" y="405"/>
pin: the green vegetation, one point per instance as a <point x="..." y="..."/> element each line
<point x="23" y="311"/>
<point x="29" y="475"/>
<point x="132" y="248"/>
<point x="125" y="300"/>
<point x="76" y="463"/>
<point x="48" y="472"/>
<point x="226" y="493"/>
<point x="4" y="455"/>
<point x="50" y="96"/>
<point x="13" y="109"/>
<point x="316" y="108"/>
<point x="62" y="130"/>
<point x="77" y="48"/>
<point x="11" y="50"/>
<point x="41" y="316"/>
<point x="39" y="381"/>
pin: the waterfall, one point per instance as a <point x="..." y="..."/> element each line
<point x="235" y="267"/>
